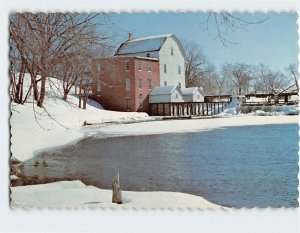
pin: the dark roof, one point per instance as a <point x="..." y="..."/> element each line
<point x="145" y="44"/>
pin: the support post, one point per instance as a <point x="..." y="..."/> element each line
<point x="116" y="196"/>
<point x="206" y="109"/>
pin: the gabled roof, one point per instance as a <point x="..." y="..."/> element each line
<point x="189" y="90"/>
<point x="145" y="44"/>
<point x="163" y="90"/>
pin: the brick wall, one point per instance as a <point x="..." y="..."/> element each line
<point x="109" y="85"/>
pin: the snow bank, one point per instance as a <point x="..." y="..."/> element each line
<point x="277" y="110"/>
<point x="231" y="109"/>
<point x="234" y="109"/>
<point x="75" y="194"/>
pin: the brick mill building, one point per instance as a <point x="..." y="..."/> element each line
<point x="150" y="65"/>
<point x="123" y="83"/>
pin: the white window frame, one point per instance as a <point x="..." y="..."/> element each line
<point x="149" y="66"/>
<point x="140" y="83"/>
<point x="127" y="84"/>
<point x="127" y="65"/>
<point x="149" y="82"/>
<point x="140" y="65"/>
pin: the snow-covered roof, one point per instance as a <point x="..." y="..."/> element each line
<point x="145" y="44"/>
<point x="163" y="90"/>
<point x="189" y="90"/>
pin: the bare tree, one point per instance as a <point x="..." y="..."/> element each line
<point x="49" y="37"/>
<point x="268" y="81"/>
<point x="197" y="67"/>
<point x="293" y="70"/>
<point x="220" y="82"/>
<point x="225" y="23"/>
<point x="240" y="75"/>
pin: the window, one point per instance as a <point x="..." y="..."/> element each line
<point x="165" y="68"/>
<point x="149" y="81"/>
<point x="127" y="67"/>
<point x="149" y="66"/>
<point x="179" y="69"/>
<point x="176" y="96"/>
<point x="98" y="85"/>
<point x="140" y="83"/>
<point x="172" y="51"/>
<point x="98" y="67"/>
<point x="198" y="96"/>
<point x="165" y="83"/>
<point x="127" y="84"/>
<point x="179" y="85"/>
<point x="147" y="54"/>
<point x="139" y="64"/>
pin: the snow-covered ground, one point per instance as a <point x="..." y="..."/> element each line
<point x="33" y="132"/>
<point x="75" y="194"/>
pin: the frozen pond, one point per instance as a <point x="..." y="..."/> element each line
<point x="249" y="166"/>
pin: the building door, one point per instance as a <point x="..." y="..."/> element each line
<point x="127" y="99"/>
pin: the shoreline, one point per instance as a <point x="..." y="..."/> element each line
<point x="58" y="137"/>
<point x="188" y="126"/>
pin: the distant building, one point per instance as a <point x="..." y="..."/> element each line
<point x="165" y="94"/>
<point x="166" y="48"/>
<point x="123" y="83"/>
<point x="192" y="94"/>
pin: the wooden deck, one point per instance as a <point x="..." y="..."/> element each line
<point x="187" y="109"/>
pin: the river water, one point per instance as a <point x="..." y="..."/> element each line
<point x="249" y="166"/>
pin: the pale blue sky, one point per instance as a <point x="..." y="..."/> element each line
<point x="273" y="42"/>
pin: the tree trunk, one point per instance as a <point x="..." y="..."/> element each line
<point x="79" y="98"/>
<point x="19" y="86"/>
<point x="84" y="102"/>
<point x="65" y="95"/>
<point x="240" y="91"/>
<point x="35" y="91"/>
<point x="42" y="91"/>
<point x="117" y="196"/>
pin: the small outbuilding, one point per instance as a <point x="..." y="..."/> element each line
<point x="165" y="94"/>
<point x="192" y="94"/>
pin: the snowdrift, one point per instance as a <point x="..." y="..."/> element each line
<point x="234" y="108"/>
<point x="75" y="194"/>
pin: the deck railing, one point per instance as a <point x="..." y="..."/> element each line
<point x="183" y="109"/>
